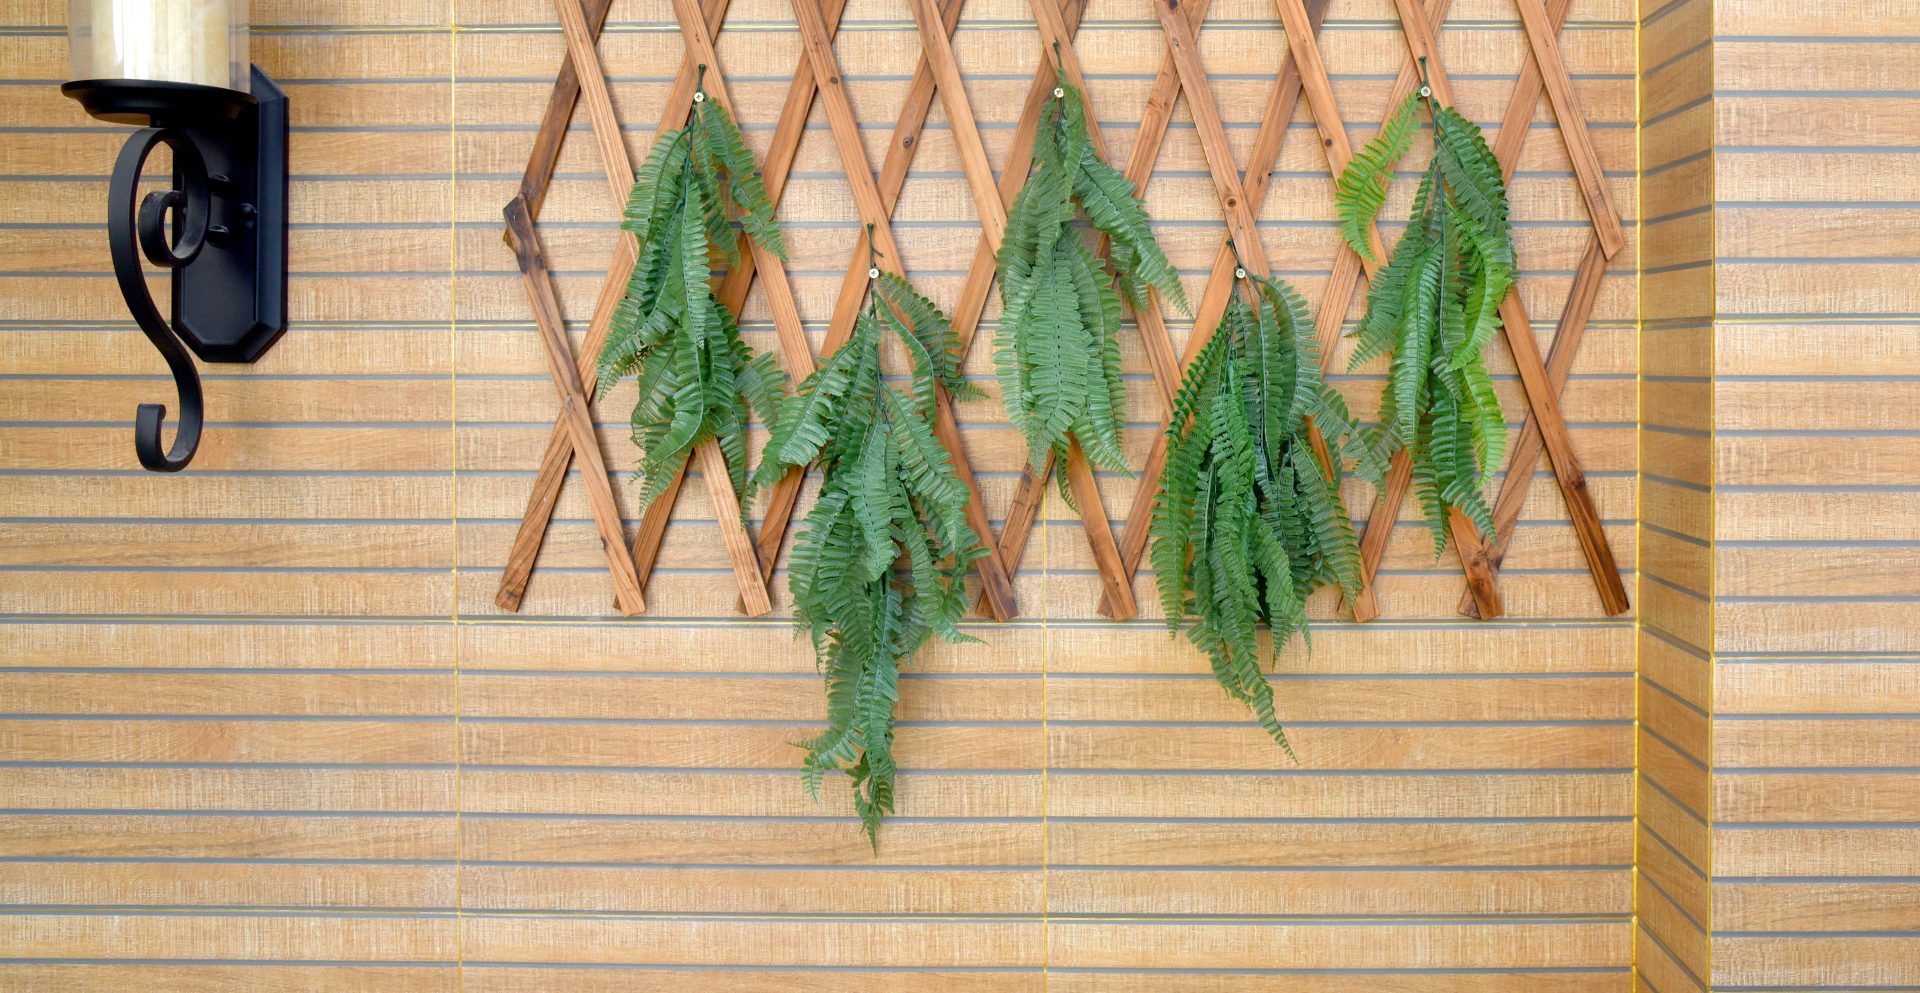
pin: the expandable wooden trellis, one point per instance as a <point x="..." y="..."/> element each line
<point x="1546" y="65"/>
<point x="1545" y="426"/>
<point x="992" y="199"/>
<point x="581" y="77"/>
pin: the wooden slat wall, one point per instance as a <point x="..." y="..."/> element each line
<point x="1672" y="847"/>
<point x="266" y="730"/>
<point x="1816" y="789"/>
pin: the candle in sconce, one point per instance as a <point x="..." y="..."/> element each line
<point x="182" y="41"/>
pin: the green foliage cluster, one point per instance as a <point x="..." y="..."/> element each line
<point x="1435" y="305"/>
<point x="890" y="493"/>
<point x="696" y="376"/>
<point x="1248" y="521"/>
<point x="1057" y="349"/>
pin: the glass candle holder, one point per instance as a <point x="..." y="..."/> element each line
<point x="179" y="41"/>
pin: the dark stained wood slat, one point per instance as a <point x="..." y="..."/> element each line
<point x="558" y="456"/>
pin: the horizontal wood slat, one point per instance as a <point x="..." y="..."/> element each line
<point x="268" y="728"/>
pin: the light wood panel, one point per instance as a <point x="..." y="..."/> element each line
<point x="1816" y="681"/>
<point x="266" y="729"/>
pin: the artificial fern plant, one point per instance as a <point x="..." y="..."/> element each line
<point x="890" y="493"/>
<point x="1249" y="521"/>
<point x="1057" y="349"/>
<point x="683" y="345"/>
<point x="1435" y="306"/>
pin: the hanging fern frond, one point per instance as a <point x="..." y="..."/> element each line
<point x="1248" y="522"/>
<point x="1435" y="306"/>
<point x="1057" y="350"/>
<point x="890" y="496"/>
<point x="696" y="376"/>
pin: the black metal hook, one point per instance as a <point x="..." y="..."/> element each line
<point x="147" y="228"/>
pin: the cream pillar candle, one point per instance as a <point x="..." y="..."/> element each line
<point x="184" y="41"/>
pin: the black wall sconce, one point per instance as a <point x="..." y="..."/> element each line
<point x="178" y="69"/>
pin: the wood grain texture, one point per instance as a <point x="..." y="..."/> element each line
<point x="1674" y="837"/>
<point x="267" y="727"/>
<point x="1816" y="650"/>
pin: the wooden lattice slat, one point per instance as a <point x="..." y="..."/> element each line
<point x="1251" y="190"/>
<point x="1543" y="42"/>
<point x="575" y="412"/>
<point x="1572" y="326"/>
<point x="1542" y="397"/>
<point x="1056" y="41"/>
<point x="534" y="184"/>
<point x="991" y="199"/>
<point x="997" y="595"/>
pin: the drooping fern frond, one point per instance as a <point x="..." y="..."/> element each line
<point x="878" y="564"/>
<point x="1249" y="521"/>
<point x="1435" y="305"/>
<point x="1057" y="350"/>
<point x="670" y="332"/>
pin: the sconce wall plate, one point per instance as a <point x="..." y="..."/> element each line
<point x="227" y="246"/>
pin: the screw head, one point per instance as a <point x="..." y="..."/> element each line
<point x="873" y="272"/>
<point x="1059" y="92"/>
<point x="699" y="97"/>
<point x="1426" y="92"/>
<point x="1239" y="273"/>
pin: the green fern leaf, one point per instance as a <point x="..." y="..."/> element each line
<point x="1247" y="524"/>
<point x="1056" y="350"/>
<point x="1435" y="307"/>
<point x="1361" y="189"/>
<point x="698" y="381"/>
<point x="889" y="493"/>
